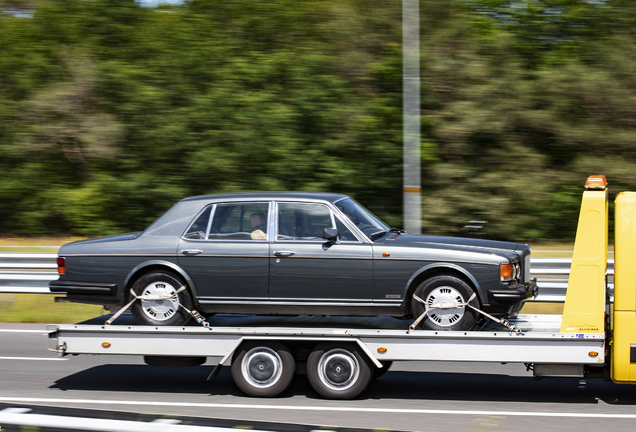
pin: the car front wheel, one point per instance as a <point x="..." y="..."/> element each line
<point x="445" y="290"/>
<point x="163" y="312"/>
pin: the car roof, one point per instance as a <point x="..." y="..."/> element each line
<point x="294" y="196"/>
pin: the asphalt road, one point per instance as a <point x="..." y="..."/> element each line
<point x="416" y="396"/>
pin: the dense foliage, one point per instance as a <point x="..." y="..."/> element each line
<point x="110" y="112"/>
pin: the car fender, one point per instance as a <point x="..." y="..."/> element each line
<point x="171" y="266"/>
<point x="449" y="266"/>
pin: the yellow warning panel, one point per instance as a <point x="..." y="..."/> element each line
<point x="584" y="309"/>
<point x="623" y="368"/>
<point x="625" y="252"/>
<point x="624" y="341"/>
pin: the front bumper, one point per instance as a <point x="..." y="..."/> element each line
<point x="515" y="294"/>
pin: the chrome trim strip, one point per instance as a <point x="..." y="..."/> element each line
<point x="292" y="257"/>
<point x="174" y="255"/>
<point x="282" y="303"/>
<point x="437" y="260"/>
<point x="225" y="240"/>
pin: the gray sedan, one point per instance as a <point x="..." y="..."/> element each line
<point x="294" y="254"/>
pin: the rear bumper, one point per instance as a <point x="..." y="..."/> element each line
<point x="515" y="295"/>
<point x="83" y="288"/>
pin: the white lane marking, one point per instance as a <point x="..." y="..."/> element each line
<point x="44" y="332"/>
<point x="12" y="417"/>
<point x="34" y="358"/>
<point x="321" y="408"/>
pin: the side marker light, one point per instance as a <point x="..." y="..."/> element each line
<point x="381" y="350"/>
<point x="106" y="344"/>
<point x="506" y="272"/>
<point x="593" y="353"/>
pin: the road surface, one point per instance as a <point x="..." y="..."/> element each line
<point x="417" y="396"/>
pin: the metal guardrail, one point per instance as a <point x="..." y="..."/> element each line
<point x="32" y="272"/>
<point x="552" y="277"/>
<point x="27" y="272"/>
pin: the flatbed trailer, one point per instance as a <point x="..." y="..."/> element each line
<point x="341" y="355"/>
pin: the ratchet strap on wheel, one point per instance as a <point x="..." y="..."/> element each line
<point x="451" y="305"/>
<point x="154" y="297"/>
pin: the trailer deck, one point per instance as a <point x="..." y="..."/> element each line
<point x="540" y="341"/>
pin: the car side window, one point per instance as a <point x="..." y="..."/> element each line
<point x="199" y="227"/>
<point x="239" y="221"/>
<point x="299" y="221"/>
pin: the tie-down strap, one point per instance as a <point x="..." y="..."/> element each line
<point x="451" y="305"/>
<point x="155" y="297"/>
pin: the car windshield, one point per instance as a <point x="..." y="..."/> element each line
<point x="362" y="218"/>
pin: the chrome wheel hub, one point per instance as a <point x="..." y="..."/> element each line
<point x="445" y="296"/>
<point x="262" y="367"/>
<point x="338" y="369"/>
<point x="164" y="309"/>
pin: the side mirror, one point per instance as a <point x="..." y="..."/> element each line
<point x="330" y="234"/>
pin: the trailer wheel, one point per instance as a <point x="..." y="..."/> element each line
<point x="378" y="372"/>
<point x="339" y="371"/>
<point x="161" y="312"/>
<point x="263" y="369"/>
<point x="441" y="289"/>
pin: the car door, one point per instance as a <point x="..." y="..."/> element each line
<point x="225" y="251"/>
<point x="306" y="269"/>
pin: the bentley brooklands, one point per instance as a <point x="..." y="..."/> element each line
<point x="294" y="254"/>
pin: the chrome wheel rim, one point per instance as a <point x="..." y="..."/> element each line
<point x="160" y="310"/>
<point x="338" y="369"/>
<point x="445" y="317"/>
<point x="262" y="367"/>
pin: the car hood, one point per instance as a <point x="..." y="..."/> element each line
<point x="453" y="242"/>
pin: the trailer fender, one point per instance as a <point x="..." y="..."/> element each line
<point x="242" y="339"/>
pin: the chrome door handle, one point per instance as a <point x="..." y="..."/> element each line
<point x="284" y="253"/>
<point x="191" y="251"/>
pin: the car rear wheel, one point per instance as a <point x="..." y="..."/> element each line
<point x="164" y="312"/>
<point x="440" y="290"/>
<point x="339" y="371"/>
<point x="263" y="369"/>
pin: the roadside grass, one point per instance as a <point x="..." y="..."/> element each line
<point x="41" y="308"/>
<point x="35" y="245"/>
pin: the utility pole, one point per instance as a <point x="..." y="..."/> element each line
<point x="411" y="116"/>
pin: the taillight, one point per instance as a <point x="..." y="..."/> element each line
<point x="61" y="266"/>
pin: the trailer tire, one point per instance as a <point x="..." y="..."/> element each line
<point x="445" y="288"/>
<point x="161" y="312"/>
<point x="339" y="371"/>
<point x="263" y="369"/>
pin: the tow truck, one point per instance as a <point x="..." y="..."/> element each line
<point x="341" y="356"/>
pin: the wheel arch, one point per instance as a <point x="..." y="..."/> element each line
<point x="162" y="265"/>
<point x="313" y="342"/>
<point x="434" y="269"/>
